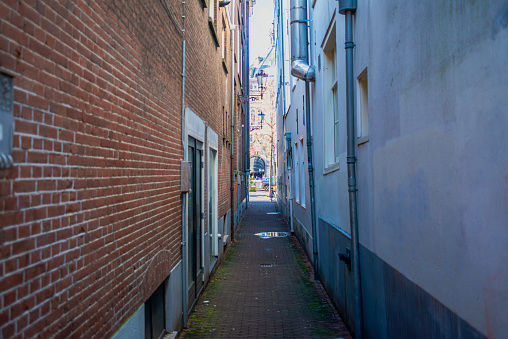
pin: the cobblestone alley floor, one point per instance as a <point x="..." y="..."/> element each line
<point x="265" y="288"/>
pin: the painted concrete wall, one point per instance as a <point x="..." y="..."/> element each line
<point x="331" y="183"/>
<point x="134" y="327"/>
<point x="433" y="189"/>
<point x="295" y="125"/>
<point x="437" y="157"/>
<point x="174" y="299"/>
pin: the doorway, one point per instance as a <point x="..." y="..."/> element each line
<point x="212" y="204"/>
<point x="195" y="222"/>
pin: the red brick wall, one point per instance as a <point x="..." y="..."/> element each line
<point x="91" y="211"/>
<point x="208" y="87"/>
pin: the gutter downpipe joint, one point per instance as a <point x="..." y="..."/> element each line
<point x="347" y="8"/>
<point x="301" y="69"/>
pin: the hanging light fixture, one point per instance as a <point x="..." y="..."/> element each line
<point x="261" y="77"/>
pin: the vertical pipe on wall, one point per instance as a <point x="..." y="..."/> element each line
<point x="311" y="180"/>
<point x="301" y="69"/>
<point x="347" y="8"/>
<point x="246" y="87"/>
<point x="232" y="39"/>
<point x="185" y="195"/>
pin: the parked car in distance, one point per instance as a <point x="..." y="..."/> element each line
<point x="266" y="183"/>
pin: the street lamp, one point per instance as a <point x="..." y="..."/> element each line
<point x="261" y="79"/>
<point x="260" y="126"/>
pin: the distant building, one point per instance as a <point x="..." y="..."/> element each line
<point x="430" y="83"/>
<point x="122" y="153"/>
<point x="262" y="116"/>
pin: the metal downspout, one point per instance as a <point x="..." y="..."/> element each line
<point x="301" y="69"/>
<point x="246" y="86"/>
<point x="311" y="181"/>
<point x="184" y="146"/>
<point x="232" y="30"/>
<point x="185" y="195"/>
<point x="347" y="8"/>
<point x="290" y="168"/>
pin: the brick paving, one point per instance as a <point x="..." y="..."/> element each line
<point x="265" y="287"/>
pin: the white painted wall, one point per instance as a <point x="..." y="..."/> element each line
<point x="433" y="178"/>
<point x="332" y="202"/>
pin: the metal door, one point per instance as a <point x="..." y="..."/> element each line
<point x="195" y="222"/>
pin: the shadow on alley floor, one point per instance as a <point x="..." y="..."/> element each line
<point x="265" y="288"/>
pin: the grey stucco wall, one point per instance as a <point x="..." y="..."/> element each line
<point x="331" y="185"/>
<point x="393" y="306"/>
<point x="432" y="179"/>
<point x="438" y="151"/>
<point x="298" y="130"/>
<point x="134" y="327"/>
<point x="173" y="302"/>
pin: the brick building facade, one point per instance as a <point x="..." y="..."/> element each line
<point x="91" y="210"/>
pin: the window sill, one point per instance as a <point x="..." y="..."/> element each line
<point x="213" y="32"/>
<point x="299" y="203"/>
<point x="362" y="140"/>
<point x="331" y="168"/>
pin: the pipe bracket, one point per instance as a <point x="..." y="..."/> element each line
<point x="352" y="184"/>
<point x="347" y="5"/>
<point x="349" y="44"/>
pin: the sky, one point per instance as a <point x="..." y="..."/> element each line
<point x="259" y="30"/>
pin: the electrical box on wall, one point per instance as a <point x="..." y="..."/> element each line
<point x="6" y="120"/>
<point x="185" y="176"/>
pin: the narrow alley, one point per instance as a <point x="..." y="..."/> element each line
<point x="139" y="139"/>
<point x="265" y="287"/>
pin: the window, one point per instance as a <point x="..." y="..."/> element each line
<point x="225" y="38"/>
<point x="330" y="100"/>
<point x="335" y="123"/>
<point x="302" y="174"/>
<point x="212" y="20"/>
<point x="155" y="314"/>
<point x="297" y="173"/>
<point x="211" y="10"/>
<point x="225" y="44"/>
<point x="212" y="201"/>
<point x="363" y="108"/>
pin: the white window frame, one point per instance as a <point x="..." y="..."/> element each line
<point x="213" y="170"/>
<point x="303" y="181"/>
<point x="362" y="104"/>
<point x="297" y="172"/>
<point x="331" y="123"/>
<point x="211" y="10"/>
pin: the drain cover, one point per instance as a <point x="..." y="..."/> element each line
<point x="267" y="265"/>
<point x="267" y="235"/>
